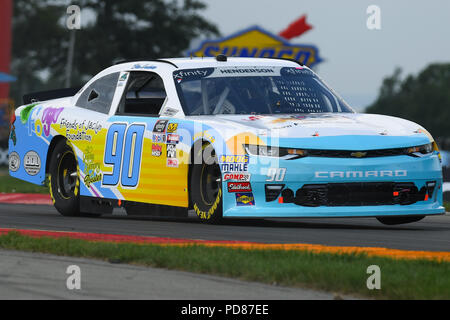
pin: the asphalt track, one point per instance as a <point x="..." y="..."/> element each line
<point x="430" y="234"/>
<point x="25" y="275"/>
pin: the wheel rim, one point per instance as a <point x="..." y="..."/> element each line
<point x="210" y="183"/>
<point x="67" y="175"/>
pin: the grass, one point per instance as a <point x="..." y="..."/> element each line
<point x="339" y="273"/>
<point x="9" y="184"/>
<point x="447" y="206"/>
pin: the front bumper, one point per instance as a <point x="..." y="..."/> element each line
<point x="395" y="171"/>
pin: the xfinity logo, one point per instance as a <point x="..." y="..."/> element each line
<point x="360" y="174"/>
<point x="193" y="73"/>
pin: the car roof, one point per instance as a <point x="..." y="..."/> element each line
<point x="199" y="62"/>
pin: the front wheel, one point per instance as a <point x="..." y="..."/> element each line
<point x="64" y="182"/>
<point x="399" y="220"/>
<point x="206" y="186"/>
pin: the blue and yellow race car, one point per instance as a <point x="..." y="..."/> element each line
<point x="224" y="137"/>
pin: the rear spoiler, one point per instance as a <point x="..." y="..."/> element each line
<point x="49" y="95"/>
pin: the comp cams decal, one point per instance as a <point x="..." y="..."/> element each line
<point x="240" y="176"/>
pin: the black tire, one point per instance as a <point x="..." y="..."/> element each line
<point x="206" y="185"/>
<point x="64" y="182"/>
<point x="390" y="221"/>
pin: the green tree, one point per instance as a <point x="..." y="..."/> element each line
<point x="424" y="98"/>
<point x="117" y="30"/>
<point x="37" y="44"/>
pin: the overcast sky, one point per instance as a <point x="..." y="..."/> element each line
<point x="413" y="34"/>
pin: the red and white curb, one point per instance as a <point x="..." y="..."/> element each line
<point x="25" y="198"/>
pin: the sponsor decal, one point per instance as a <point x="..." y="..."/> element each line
<point x="276" y="174"/>
<point x="123" y="77"/>
<point x="91" y="168"/>
<point x="192" y="73"/>
<point x="257" y="42"/>
<point x="144" y="66"/>
<point x="14" y="162"/>
<point x="159" y="138"/>
<point x="234" y="167"/>
<point x="234" y="159"/>
<point x="78" y="136"/>
<point x="169" y="112"/>
<point x="49" y="117"/>
<point x="156" y="150"/>
<point x="239" y="176"/>
<point x="246" y="70"/>
<point x="245" y="199"/>
<point x="78" y="130"/>
<point x="172" y="127"/>
<point x="172" y="162"/>
<point x="171" y="150"/>
<point x="173" y="138"/>
<point x="32" y="163"/>
<point x="360" y="174"/>
<point x="239" y="187"/>
<point x="160" y="126"/>
<point x="84" y="125"/>
<point x="253" y="118"/>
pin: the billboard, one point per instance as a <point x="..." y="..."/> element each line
<point x="258" y="42"/>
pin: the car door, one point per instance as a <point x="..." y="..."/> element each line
<point x="140" y="164"/>
<point x="87" y="128"/>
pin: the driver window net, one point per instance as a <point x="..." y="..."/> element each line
<point x="300" y="96"/>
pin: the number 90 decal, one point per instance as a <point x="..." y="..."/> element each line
<point x="123" y="152"/>
<point x="276" y="174"/>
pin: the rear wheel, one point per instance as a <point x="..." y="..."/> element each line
<point x="64" y="182"/>
<point x="206" y="186"/>
<point x="399" y="220"/>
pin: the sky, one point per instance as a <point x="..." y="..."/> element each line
<point x="413" y="34"/>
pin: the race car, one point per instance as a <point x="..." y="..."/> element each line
<point x="222" y="137"/>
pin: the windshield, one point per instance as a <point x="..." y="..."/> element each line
<point x="255" y="90"/>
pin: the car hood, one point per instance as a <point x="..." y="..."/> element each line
<point x="327" y="130"/>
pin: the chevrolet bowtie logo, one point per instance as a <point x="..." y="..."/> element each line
<point x="358" y="154"/>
